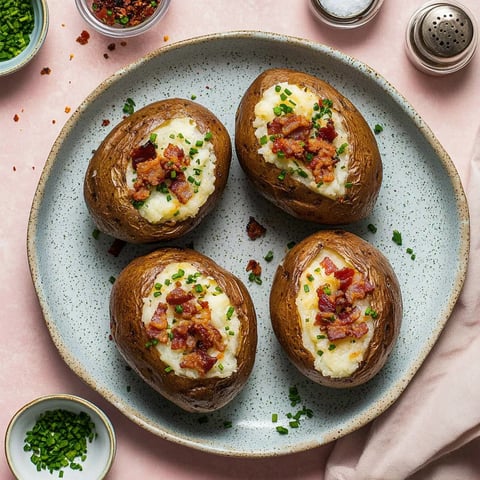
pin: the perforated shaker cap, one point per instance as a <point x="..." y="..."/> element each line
<point x="441" y="37"/>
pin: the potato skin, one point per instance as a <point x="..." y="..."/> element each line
<point x="386" y="299"/>
<point x="106" y="192"/>
<point x="365" y="170"/>
<point x="128" y="330"/>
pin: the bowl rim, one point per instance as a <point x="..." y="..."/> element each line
<point x="121" y="32"/>
<point x="112" y="441"/>
<point x="24" y="57"/>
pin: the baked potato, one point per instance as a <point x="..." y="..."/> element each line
<point x="307" y="149"/>
<point x="336" y="308"/>
<point x="186" y="326"/>
<point x="159" y="172"/>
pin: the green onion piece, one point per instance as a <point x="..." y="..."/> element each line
<point x="282" y="430"/>
<point x="372" y="227"/>
<point x="269" y="256"/>
<point x="274" y="417"/>
<point x="378" y="129"/>
<point x="96" y="233"/>
<point x="397" y="237"/>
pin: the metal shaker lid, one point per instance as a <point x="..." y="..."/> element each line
<point x="345" y="13"/>
<point x="441" y="37"/>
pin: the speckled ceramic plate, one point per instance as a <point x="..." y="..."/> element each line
<point x="421" y="196"/>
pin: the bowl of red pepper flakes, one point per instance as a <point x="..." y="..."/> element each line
<point x="122" y="18"/>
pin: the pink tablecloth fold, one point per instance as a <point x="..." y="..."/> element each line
<point x="429" y="433"/>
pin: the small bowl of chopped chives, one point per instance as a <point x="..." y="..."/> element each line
<point x="23" y="29"/>
<point x="122" y="19"/>
<point x="61" y="435"/>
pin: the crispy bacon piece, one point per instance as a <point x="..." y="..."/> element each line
<point x="178" y="296"/>
<point x="198" y="360"/>
<point x="355" y="330"/>
<point x="328" y="265"/>
<point x="292" y="126"/>
<point x="254" y="229"/>
<point x="181" y="188"/>
<point x="143" y="152"/>
<point x="254" y="267"/>
<point x="174" y="158"/>
<point x="290" y="147"/>
<point x="323" y="163"/>
<point x="328" y="132"/>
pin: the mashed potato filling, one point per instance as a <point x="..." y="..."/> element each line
<point x="192" y="324"/>
<point x="283" y="100"/>
<point x="185" y="188"/>
<point x="337" y="320"/>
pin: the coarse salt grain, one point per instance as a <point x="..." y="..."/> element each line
<point x="345" y="8"/>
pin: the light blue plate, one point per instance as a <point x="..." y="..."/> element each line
<point x="421" y="196"/>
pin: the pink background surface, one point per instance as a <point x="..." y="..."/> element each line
<point x="30" y="363"/>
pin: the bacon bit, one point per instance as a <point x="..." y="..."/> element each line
<point x="337" y="315"/>
<point x="111" y="46"/>
<point x="199" y="360"/>
<point x="328" y="132"/>
<point x="45" y="71"/>
<point x="181" y="188"/>
<point x="142" y="153"/>
<point x="116" y="247"/>
<point x="254" y="229"/>
<point x="83" y="38"/>
<point x="328" y="265"/>
<point x="105" y="55"/>
<point x="178" y="296"/>
<point x="293" y="126"/>
<point x="105" y="122"/>
<point x="16" y="118"/>
<point x="254" y="267"/>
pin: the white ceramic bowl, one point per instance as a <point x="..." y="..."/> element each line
<point x="100" y="452"/>
<point x="117" y="31"/>
<point x="37" y="38"/>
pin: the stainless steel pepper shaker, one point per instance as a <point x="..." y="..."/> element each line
<point x="345" y="13"/>
<point x="441" y="37"/>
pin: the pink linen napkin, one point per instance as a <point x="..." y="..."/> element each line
<point x="433" y="430"/>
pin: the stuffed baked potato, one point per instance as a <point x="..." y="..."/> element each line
<point x="159" y="172"/>
<point x="307" y="149"/>
<point x="186" y="326"/>
<point x="336" y="308"/>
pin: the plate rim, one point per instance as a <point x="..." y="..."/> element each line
<point x="400" y="101"/>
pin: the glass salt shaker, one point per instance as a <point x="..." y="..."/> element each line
<point x="345" y="13"/>
<point x="441" y="37"/>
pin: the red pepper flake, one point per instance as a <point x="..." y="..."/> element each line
<point x="123" y="43"/>
<point x="166" y="38"/>
<point x="71" y="56"/>
<point x="106" y="56"/>
<point x="14" y="168"/>
<point x="111" y="46"/>
<point x="125" y="13"/>
<point x="83" y="38"/>
<point x="67" y="109"/>
<point x="255" y="229"/>
<point x="16" y="118"/>
<point x="45" y="71"/>
<point x="105" y="122"/>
